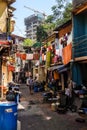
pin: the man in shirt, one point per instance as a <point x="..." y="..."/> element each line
<point x="29" y="83"/>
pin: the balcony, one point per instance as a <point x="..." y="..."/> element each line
<point x="80" y="47"/>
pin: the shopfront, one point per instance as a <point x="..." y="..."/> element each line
<point x="61" y="74"/>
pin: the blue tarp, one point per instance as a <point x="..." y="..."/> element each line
<point x="76" y="74"/>
<point x="60" y="68"/>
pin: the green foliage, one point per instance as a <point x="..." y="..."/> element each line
<point x="49" y="27"/>
<point x="58" y="9"/>
<point x="49" y="19"/>
<point x="66" y="15"/>
<point x="28" y="42"/>
<point x="61" y="14"/>
<point x="48" y="44"/>
<point x="67" y="11"/>
<point x="37" y="45"/>
<point x="41" y="33"/>
<point x="45" y="29"/>
<point x="62" y="11"/>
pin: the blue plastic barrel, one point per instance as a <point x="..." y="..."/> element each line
<point x="8" y="116"/>
<point x="36" y="89"/>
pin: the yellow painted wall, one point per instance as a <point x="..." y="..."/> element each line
<point x="7" y="76"/>
<point x="3" y="6"/>
<point x="41" y="73"/>
<point x="3" y="15"/>
<point x="4" y="70"/>
<point x="12" y="24"/>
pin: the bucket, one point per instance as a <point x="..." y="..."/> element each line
<point x="8" y="116"/>
<point x="53" y="107"/>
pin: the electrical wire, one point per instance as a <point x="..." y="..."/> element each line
<point x="19" y="30"/>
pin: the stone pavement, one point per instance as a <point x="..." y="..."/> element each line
<point x="36" y="115"/>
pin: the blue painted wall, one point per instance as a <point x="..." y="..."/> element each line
<point x="76" y="74"/>
<point x="80" y="35"/>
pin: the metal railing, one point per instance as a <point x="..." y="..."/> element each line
<point x="80" y="46"/>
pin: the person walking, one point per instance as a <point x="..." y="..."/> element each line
<point x="29" y="83"/>
<point x="68" y="93"/>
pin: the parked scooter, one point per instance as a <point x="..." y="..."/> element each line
<point x="83" y="109"/>
<point x="66" y="104"/>
<point x="13" y="93"/>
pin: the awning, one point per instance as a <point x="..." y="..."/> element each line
<point x="63" y="70"/>
<point x="4" y="42"/>
<point x="55" y="67"/>
<point x="60" y="68"/>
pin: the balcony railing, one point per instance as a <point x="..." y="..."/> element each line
<point x="80" y="46"/>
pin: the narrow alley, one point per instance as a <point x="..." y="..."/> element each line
<point x="36" y="115"/>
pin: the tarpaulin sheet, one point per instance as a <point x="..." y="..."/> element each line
<point x="67" y="54"/>
<point x="4" y="42"/>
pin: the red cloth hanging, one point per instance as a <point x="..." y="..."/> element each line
<point x="18" y="54"/>
<point x="4" y="42"/>
<point x="11" y="68"/>
<point x="36" y="56"/>
<point x="23" y="56"/>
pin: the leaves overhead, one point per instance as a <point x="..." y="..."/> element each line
<point x="61" y="14"/>
<point x="49" y="19"/>
<point x="28" y="42"/>
<point x="62" y="11"/>
<point x="41" y="33"/>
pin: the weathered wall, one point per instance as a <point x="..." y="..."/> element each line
<point x="78" y="2"/>
<point x="3" y="16"/>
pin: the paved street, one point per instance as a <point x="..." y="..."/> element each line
<point x="35" y="115"/>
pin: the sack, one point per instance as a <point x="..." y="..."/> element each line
<point x="10" y="96"/>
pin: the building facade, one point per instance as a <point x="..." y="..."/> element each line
<point x="79" y="65"/>
<point x="31" y="24"/>
<point x="6" y="27"/>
